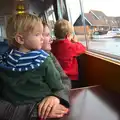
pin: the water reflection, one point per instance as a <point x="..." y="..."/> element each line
<point x="111" y="46"/>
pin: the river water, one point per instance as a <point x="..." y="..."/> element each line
<point x="111" y="46"/>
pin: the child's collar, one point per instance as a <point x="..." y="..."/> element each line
<point x="17" y="61"/>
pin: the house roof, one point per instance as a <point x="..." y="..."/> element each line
<point x="99" y="23"/>
<point x="98" y="18"/>
<point x="93" y="21"/>
<point x="118" y="21"/>
<point x="99" y="14"/>
<point x="112" y="22"/>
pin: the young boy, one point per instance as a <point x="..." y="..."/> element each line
<point x="27" y="72"/>
<point x="66" y="49"/>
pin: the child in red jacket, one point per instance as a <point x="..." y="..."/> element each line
<point x="66" y="49"/>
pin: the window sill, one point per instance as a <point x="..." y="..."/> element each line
<point x="103" y="57"/>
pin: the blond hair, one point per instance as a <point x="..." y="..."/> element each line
<point x="20" y="23"/>
<point x="63" y="28"/>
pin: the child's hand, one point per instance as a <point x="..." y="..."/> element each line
<point x="74" y="39"/>
<point x="46" y="106"/>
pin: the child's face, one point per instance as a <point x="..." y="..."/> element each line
<point x="33" y="40"/>
<point x="47" y="39"/>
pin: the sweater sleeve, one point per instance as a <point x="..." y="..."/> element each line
<point x="53" y="79"/>
<point x="52" y="76"/>
<point x="78" y="48"/>
<point x="65" y="80"/>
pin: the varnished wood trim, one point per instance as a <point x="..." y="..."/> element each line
<point x="103" y="57"/>
<point x="85" y="87"/>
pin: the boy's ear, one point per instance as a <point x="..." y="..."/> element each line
<point x="69" y="36"/>
<point x="19" y="39"/>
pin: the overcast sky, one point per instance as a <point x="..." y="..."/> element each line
<point x="109" y="7"/>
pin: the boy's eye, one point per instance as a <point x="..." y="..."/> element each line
<point x="37" y="34"/>
<point x="48" y="35"/>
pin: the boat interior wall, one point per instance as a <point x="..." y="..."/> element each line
<point x="96" y="71"/>
<point x="6" y="7"/>
<point x="39" y="6"/>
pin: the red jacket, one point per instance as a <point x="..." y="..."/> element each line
<point x="66" y="51"/>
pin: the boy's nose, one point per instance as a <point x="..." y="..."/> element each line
<point x="42" y="38"/>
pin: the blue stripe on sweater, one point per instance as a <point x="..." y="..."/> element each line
<point x="18" y="61"/>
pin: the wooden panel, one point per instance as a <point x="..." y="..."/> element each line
<point x="102" y="72"/>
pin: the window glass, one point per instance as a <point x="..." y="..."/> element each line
<point x="50" y="14"/>
<point x="97" y="23"/>
<point x="2" y="28"/>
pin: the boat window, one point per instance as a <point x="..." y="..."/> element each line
<point x="91" y="16"/>
<point x="50" y="15"/>
<point x="96" y="25"/>
<point x="2" y="28"/>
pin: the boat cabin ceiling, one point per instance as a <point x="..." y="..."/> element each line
<point x="38" y="7"/>
<point x="8" y="6"/>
